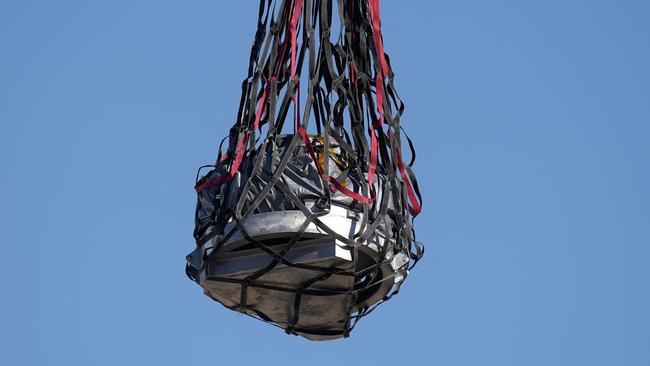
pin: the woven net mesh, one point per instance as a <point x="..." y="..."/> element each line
<point x="321" y="66"/>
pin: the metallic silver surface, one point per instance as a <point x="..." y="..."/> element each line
<point x="364" y="260"/>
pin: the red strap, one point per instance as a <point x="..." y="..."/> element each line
<point x="376" y="27"/>
<point x="293" y="26"/>
<point x="294" y="22"/>
<point x="295" y="17"/>
<point x="212" y="182"/>
<point x="243" y="139"/>
<point x="415" y="207"/>
<point x="373" y="6"/>
<point x="239" y="154"/>
<point x="354" y="195"/>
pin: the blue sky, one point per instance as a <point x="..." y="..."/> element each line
<point x="531" y="120"/>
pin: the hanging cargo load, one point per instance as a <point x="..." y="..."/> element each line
<point x="310" y="231"/>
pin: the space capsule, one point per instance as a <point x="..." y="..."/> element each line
<point x="310" y="231"/>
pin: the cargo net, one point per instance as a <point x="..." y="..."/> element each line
<point x="311" y="229"/>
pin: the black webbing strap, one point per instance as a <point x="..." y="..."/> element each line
<point x="341" y="98"/>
